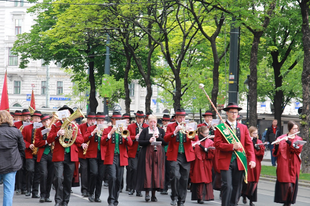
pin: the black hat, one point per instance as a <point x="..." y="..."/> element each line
<point x="25" y="112"/>
<point x="139" y="114"/>
<point x="116" y="115"/>
<point x="18" y="113"/>
<point x="232" y="105"/>
<point x="37" y="113"/>
<point x="100" y="115"/>
<point x="148" y="114"/>
<point x="66" y="107"/>
<point x="45" y="117"/>
<point x="166" y="117"/>
<point x="126" y="116"/>
<point x="180" y="112"/>
<point x="239" y="117"/>
<point x="12" y="114"/>
<point x="207" y="113"/>
<point x="91" y="115"/>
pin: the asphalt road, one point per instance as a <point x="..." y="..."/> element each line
<point x="265" y="198"/>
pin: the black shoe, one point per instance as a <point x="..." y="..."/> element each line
<point x="24" y="192"/>
<point x="97" y="199"/>
<point x="64" y="204"/>
<point x="164" y="192"/>
<point x="85" y="194"/>
<point x="200" y="201"/>
<point x="244" y="200"/>
<point x="48" y="200"/>
<point x="138" y="194"/>
<point x="131" y="192"/>
<point x="173" y="202"/>
<point x="147" y="198"/>
<point x="42" y="199"/>
<point x="57" y="204"/>
<point x="106" y="184"/>
<point x="180" y="204"/>
<point x="154" y="199"/>
<point x="35" y="196"/>
<point x="251" y="204"/>
<point x="27" y="194"/>
<point x="91" y="199"/>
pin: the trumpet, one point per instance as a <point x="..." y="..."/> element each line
<point x="291" y="136"/>
<point x="35" y="149"/>
<point x="183" y="127"/>
<point x="121" y="130"/>
<point x="192" y="134"/>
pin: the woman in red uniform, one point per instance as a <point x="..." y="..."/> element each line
<point x="250" y="189"/>
<point x="288" y="168"/>
<point x="201" y="176"/>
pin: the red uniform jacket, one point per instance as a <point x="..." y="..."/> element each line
<point x="93" y="145"/>
<point x="202" y="166"/>
<point x="18" y="124"/>
<point x="109" y="156"/>
<point x="40" y="143"/>
<point x="83" y="128"/>
<point x="173" y="145"/>
<point x="27" y="134"/>
<point x="59" y="151"/>
<point x="253" y="174"/>
<point x="226" y="149"/>
<point x="133" y="129"/>
<point x="288" y="160"/>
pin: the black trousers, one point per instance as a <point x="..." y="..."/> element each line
<point x="231" y="184"/>
<point x="179" y="178"/>
<point x="20" y="178"/>
<point x="167" y="174"/>
<point x="47" y="174"/>
<point x="132" y="171"/>
<point x="33" y="175"/>
<point x="84" y="175"/>
<point x="63" y="179"/>
<point x="115" y="172"/>
<point x="96" y="173"/>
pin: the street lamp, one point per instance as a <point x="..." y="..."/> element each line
<point x="246" y="84"/>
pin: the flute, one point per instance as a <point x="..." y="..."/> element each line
<point x="203" y="139"/>
<point x="291" y="136"/>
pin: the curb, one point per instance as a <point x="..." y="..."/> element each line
<point x="303" y="183"/>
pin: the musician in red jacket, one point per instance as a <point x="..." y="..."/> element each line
<point x="208" y="121"/>
<point x="95" y="155"/>
<point x="232" y="170"/>
<point x="250" y="189"/>
<point x="288" y="167"/>
<point x="116" y="157"/>
<point x="32" y="166"/>
<point x="64" y="160"/>
<point x="133" y="151"/>
<point x="180" y="153"/>
<point x="91" y="120"/>
<point x="45" y="158"/>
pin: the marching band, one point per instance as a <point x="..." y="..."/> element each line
<point x="208" y="156"/>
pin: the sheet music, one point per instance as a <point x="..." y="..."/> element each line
<point x="26" y="123"/>
<point x="192" y="126"/>
<point x="121" y="123"/>
<point x="300" y="142"/>
<point x="63" y="114"/>
<point x="44" y="131"/>
<point x="37" y="125"/>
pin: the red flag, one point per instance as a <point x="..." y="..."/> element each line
<point x="32" y="102"/>
<point x="4" y="105"/>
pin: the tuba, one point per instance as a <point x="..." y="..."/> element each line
<point x="71" y="129"/>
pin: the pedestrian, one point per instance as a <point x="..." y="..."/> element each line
<point x="151" y="162"/>
<point x="234" y="143"/>
<point x="11" y="146"/>
<point x="273" y="132"/>
<point x="288" y="169"/>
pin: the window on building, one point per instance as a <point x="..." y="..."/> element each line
<point x="132" y="89"/>
<point x="59" y="87"/>
<point x="20" y="1"/>
<point x="43" y="87"/>
<point x="18" y="26"/>
<point x="16" y="87"/>
<point x="13" y="60"/>
<point x="17" y="105"/>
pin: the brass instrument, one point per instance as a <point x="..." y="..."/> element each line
<point x="99" y="133"/>
<point x="71" y="129"/>
<point x="291" y="136"/>
<point x="21" y="128"/>
<point x="192" y="134"/>
<point x="31" y="110"/>
<point x="35" y="149"/>
<point x="120" y="129"/>
<point x="53" y="121"/>
<point x="183" y="127"/>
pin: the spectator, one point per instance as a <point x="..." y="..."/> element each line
<point x="272" y="134"/>
<point x="11" y="145"/>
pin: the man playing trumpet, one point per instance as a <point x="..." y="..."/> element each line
<point x="180" y="153"/>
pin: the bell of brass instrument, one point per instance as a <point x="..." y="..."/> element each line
<point x="183" y="130"/>
<point x="71" y="129"/>
<point x="192" y="134"/>
<point x="122" y="131"/>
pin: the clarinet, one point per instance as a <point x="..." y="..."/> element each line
<point x="155" y="147"/>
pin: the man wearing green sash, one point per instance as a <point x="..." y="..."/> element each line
<point x="235" y="147"/>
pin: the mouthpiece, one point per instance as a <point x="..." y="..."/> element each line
<point x="201" y="86"/>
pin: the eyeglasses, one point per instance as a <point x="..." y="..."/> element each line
<point x="254" y="133"/>
<point x="233" y="112"/>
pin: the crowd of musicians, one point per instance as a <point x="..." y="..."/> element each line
<point x="156" y="158"/>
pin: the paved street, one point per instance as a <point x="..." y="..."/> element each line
<point x="265" y="198"/>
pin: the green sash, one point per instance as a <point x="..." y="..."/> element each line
<point x="231" y="138"/>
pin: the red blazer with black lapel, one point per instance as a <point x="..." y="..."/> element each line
<point x="40" y="143"/>
<point x="93" y="145"/>
<point x="173" y="145"/>
<point x="111" y="146"/>
<point x="18" y="124"/>
<point x="225" y="149"/>
<point x="27" y="134"/>
<point x="83" y="128"/>
<point x="133" y="132"/>
<point x="59" y="151"/>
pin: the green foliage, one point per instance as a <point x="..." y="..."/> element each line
<point x="111" y="88"/>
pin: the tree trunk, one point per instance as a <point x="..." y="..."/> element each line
<point x="253" y="80"/>
<point x="126" y="83"/>
<point x="278" y="97"/>
<point x="215" y="77"/>
<point x="93" y="103"/>
<point x="305" y="78"/>
<point x="178" y="91"/>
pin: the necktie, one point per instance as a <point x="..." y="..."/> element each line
<point x="233" y="127"/>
